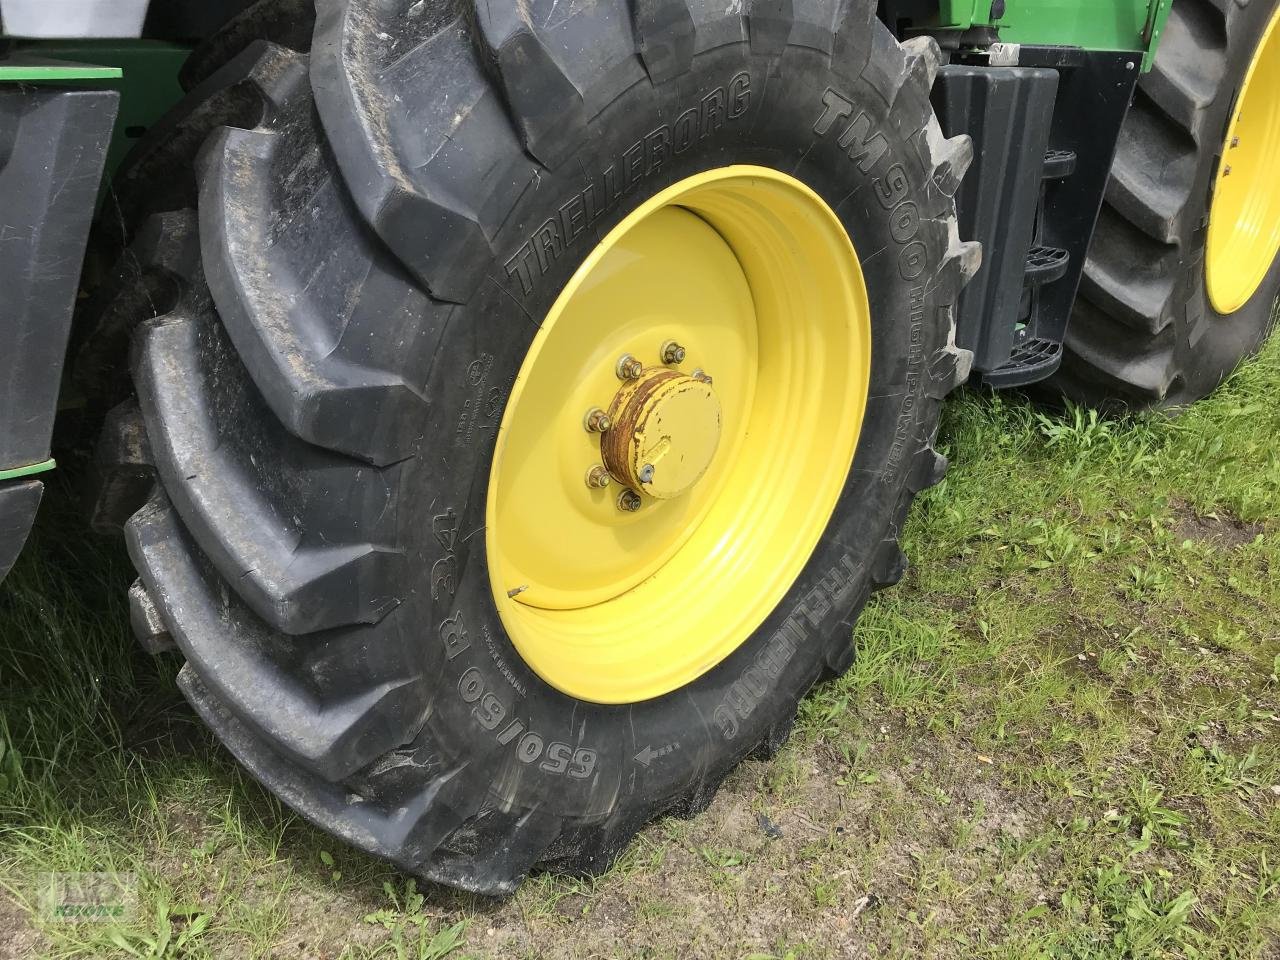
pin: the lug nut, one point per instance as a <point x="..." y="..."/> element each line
<point x="629" y="367"/>
<point x="629" y="501"/>
<point x="1235" y="141"/>
<point x="672" y="352"/>
<point x="597" y="477"/>
<point x="702" y="377"/>
<point x="1226" y="171"/>
<point x="597" y="421"/>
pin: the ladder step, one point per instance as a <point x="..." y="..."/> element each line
<point x="1059" y="163"/>
<point x="1031" y="362"/>
<point x="1046" y="264"/>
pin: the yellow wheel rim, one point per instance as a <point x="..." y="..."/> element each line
<point x="1244" y="218"/>
<point x="723" y="332"/>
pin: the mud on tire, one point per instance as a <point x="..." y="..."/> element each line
<point x="362" y="259"/>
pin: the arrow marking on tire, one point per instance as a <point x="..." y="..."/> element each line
<point x="648" y="754"/>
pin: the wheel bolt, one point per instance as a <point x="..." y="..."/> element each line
<point x="1226" y="171"/>
<point x="597" y="477"/>
<point x="1235" y="141"/>
<point x="629" y="367"/>
<point x="702" y="376"/>
<point x="597" y="421"/>
<point x="672" y="352"/>
<point x="629" y="501"/>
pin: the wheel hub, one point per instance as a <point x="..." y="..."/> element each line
<point x="665" y="432"/>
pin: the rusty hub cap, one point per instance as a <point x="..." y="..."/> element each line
<point x="665" y="432"/>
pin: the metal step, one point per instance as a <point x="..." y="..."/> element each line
<point x="1031" y="361"/>
<point x="1046" y="264"/>
<point x="1058" y="164"/>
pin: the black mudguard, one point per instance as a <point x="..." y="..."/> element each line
<point x="53" y="142"/>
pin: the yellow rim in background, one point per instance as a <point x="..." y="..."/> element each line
<point x="1244" y="217"/>
<point x="752" y="430"/>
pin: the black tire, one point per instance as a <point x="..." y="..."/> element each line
<point x="289" y="23"/>
<point x="1143" y="332"/>
<point x="321" y="398"/>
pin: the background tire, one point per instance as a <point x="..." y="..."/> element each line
<point x="320" y="388"/>
<point x="1144" y="332"/>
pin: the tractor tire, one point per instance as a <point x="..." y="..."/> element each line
<point x="339" y="289"/>
<point x="1145" y="332"/>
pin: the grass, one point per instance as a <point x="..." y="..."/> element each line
<point x="1060" y="739"/>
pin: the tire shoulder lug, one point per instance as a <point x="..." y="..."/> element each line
<point x="148" y="626"/>
<point x="889" y="566"/>
<point x="664" y="33"/>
